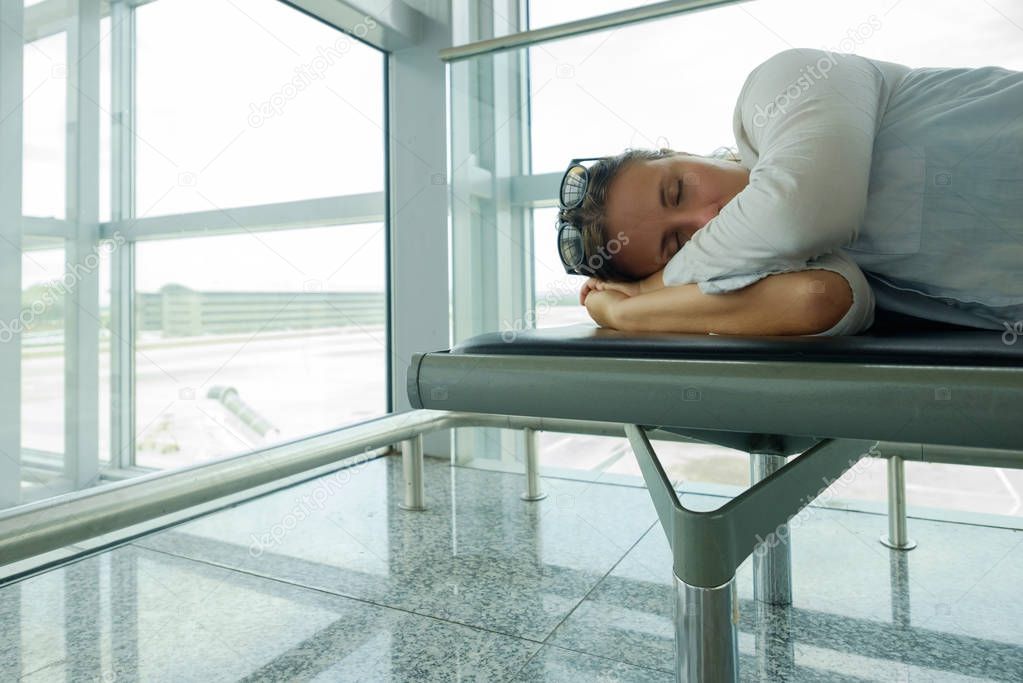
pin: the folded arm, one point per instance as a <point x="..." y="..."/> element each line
<point x="798" y="303"/>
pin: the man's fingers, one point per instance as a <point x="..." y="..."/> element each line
<point x="592" y="284"/>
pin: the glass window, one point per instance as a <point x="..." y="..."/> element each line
<point x="104" y="352"/>
<point x="265" y="105"/>
<point x="557" y="292"/>
<point x="244" y="340"/>
<point x="641" y="86"/>
<point x="278" y="335"/>
<point x="45" y="127"/>
<point x="42" y="350"/>
<point x="105" y="112"/>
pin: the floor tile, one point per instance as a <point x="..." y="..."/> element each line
<point x="135" y="614"/>
<point x="331" y="580"/>
<point x="478" y="554"/>
<point x="947" y="610"/>
<point x="557" y="665"/>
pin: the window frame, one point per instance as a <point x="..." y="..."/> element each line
<point x="80" y="463"/>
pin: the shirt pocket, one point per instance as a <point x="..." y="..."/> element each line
<point x="893" y="221"/>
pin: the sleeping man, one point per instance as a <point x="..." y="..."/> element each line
<point x="857" y="182"/>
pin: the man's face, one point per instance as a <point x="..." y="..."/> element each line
<point x="660" y="204"/>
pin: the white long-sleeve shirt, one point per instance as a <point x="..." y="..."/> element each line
<point x="908" y="182"/>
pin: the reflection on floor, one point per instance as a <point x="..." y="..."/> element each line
<point x="331" y="581"/>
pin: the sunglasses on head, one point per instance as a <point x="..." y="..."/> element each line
<point x="570" y="237"/>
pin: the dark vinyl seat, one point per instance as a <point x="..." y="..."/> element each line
<point x="894" y="338"/>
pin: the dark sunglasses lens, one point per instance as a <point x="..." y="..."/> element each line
<point x="573" y="187"/>
<point x="570" y="243"/>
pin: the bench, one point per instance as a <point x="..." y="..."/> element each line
<point x="805" y="408"/>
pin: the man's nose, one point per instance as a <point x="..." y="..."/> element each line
<point x="705" y="214"/>
<point x="708" y="213"/>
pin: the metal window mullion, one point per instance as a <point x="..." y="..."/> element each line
<point x="474" y="304"/>
<point x="490" y="247"/>
<point x="56" y="16"/>
<point x="11" y="77"/>
<point x="514" y="252"/>
<point x="463" y="133"/>
<point x="353" y="209"/>
<point x="46" y="227"/>
<point x="122" y="260"/>
<point x="81" y="305"/>
<point x="417" y="210"/>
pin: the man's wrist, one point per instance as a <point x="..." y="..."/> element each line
<point x="613" y="311"/>
<point x="603" y="307"/>
<point x="652" y="283"/>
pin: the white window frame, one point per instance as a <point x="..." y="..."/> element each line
<point x="417" y="315"/>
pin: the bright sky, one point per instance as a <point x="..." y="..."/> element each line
<point x="205" y="67"/>
<point x="206" y="141"/>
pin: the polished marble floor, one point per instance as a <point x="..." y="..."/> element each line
<point x="331" y="581"/>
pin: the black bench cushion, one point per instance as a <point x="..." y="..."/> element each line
<point x="894" y="339"/>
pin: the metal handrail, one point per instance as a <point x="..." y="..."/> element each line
<point x="578" y="27"/>
<point x="53" y="523"/>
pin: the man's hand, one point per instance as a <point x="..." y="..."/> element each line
<point x="595" y="285"/>
<point x="601" y="306"/>
<point x="651" y="283"/>
<point x="589" y="286"/>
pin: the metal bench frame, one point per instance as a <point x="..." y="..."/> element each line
<point x="829" y="413"/>
<point x="958" y="414"/>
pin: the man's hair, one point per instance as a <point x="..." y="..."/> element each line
<point x="591" y="216"/>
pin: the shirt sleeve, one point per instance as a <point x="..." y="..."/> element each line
<point x="811" y="117"/>
<point x="860" y="315"/>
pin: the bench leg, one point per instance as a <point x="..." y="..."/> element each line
<point x="706" y="644"/>
<point x="772" y="569"/>
<point x="412" y="467"/>
<point x="533" y="491"/>
<point x="898" y="570"/>
<point x="897" y="537"/>
<point x="775" y="643"/>
<point x="707" y="547"/>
